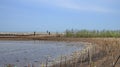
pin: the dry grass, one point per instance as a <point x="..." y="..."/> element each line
<point x="104" y="53"/>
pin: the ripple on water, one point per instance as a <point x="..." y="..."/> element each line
<point x="23" y="52"/>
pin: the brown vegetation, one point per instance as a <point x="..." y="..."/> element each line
<point x="104" y="53"/>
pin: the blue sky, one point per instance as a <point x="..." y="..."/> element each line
<point x="58" y="15"/>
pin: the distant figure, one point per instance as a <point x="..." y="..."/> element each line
<point x="34" y="33"/>
<point x="49" y="33"/>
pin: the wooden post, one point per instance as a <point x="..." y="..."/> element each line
<point x="61" y="62"/>
<point x="81" y="59"/>
<point x="75" y="59"/>
<point x="89" y="56"/>
<point x="65" y="61"/>
<point x="33" y="65"/>
<point x="46" y="62"/>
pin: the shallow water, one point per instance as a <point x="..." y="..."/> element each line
<point x="21" y="53"/>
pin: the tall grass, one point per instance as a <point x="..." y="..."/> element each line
<point x="92" y="33"/>
<point x="101" y="52"/>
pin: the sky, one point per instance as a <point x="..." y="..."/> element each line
<point x="59" y="15"/>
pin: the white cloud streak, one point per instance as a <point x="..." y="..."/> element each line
<point x="71" y="4"/>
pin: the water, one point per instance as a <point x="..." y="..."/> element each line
<point x="21" y="53"/>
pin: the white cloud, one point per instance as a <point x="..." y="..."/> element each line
<point x="71" y="4"/>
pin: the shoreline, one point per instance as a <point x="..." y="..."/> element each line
<point x="53" y="38"/>
<point x="104" y="54"/>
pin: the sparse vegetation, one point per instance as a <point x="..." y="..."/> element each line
<point x="92" y="33"/>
